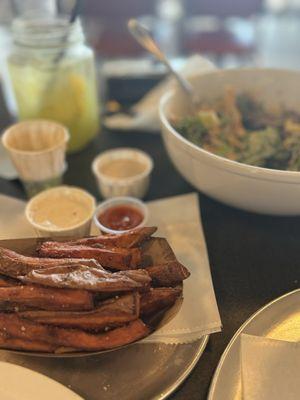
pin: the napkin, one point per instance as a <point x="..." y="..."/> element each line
<point x="13" y="224"/>
<point x="7" y="170"/>
<point x="179" y="221"/>
<point x="145" y="113"/>
<point x="270" y="369"/>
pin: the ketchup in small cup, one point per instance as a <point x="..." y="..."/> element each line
<point x="120" y="214"/>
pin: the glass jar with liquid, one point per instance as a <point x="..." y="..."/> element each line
<point x="53" y="76"/>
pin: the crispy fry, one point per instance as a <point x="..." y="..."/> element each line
<point x="14" y="307"/>
<point x="136" y="258"/>
<point x="158" y="298"/>
<point x="6" y="281"/>
<point x="114" y="257"/>
<point x="111" y="313"/>
<point x="14" y="264"/>
<point x="46" y="298"/>
<point x="14" y="326"/>
<point x="7" y="342"/>
<point x="126" y="240"/>
<point x="81" y="277"/>
<point x="169" y="274"/>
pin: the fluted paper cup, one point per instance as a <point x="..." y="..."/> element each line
<point x="133" y="186"/>
<point x="37" y="149"/>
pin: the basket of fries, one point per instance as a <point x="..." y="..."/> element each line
<point x="86" y="296"/>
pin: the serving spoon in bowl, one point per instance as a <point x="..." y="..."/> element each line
<point x="145" y="39"/>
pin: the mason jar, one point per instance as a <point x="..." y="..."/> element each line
<point x="53" y="76"/>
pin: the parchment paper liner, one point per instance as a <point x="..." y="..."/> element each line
<point x="154" y="251"/>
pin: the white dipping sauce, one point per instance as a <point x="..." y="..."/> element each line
<point x="60" y="208"/>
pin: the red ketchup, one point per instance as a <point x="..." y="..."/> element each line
<point x="121" y="218"/>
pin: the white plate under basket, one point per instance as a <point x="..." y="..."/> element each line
<point x="18" y="383"/>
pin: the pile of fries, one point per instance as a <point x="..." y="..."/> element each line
<point x="91" y="294"/>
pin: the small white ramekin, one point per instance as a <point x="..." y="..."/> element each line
<point x="81" y="229"/>
<point x="135" y="186"/>
<point x="118" y="201"/>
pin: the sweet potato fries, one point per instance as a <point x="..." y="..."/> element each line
<point x="90" y="294"/>
<point x="113" y="257"/>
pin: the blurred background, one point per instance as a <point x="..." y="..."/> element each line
<point x="229" y="32"/>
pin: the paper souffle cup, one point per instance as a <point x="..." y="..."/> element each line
<point x="54" y="194"/>
<point x="135" y="186"/>
<point x="37" y="148"/>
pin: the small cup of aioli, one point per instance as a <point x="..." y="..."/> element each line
<point x="61" y="211"/>
<point x="123" y="172"/>
<point x="120" y="214"/>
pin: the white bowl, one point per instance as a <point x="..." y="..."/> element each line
<point x="251" y="188"/>
<point x="54" y="195"/>
<point x="135" y="186"/>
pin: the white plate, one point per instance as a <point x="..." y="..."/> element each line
<point x="279" y="319"/>
<point x="19" y="383"/>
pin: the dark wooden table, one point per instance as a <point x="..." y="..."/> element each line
<point x="253" y="258"/>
